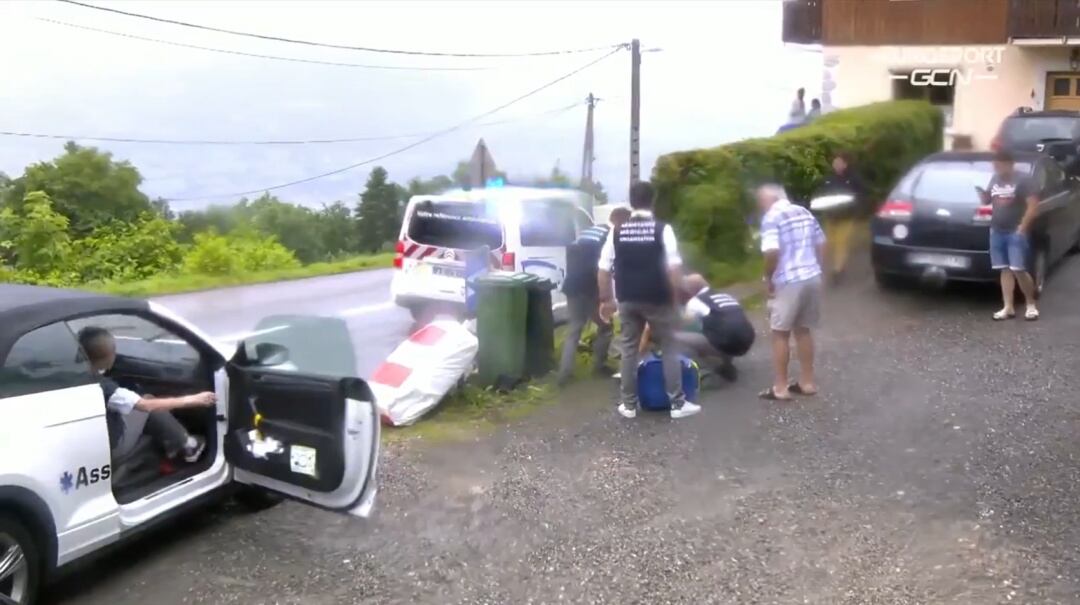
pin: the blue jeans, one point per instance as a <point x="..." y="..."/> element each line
<point x="1008" y="250"/>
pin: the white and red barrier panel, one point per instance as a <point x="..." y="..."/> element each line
<point x="419" y="373"/>
<point x="414" y="251"/>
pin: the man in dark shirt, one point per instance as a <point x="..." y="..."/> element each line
<point x="583" y="297"/>
<point x="1014" y="202"/>
<point x="839" y="223"/>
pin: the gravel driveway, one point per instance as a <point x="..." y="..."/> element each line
<point x="939" y="465"/>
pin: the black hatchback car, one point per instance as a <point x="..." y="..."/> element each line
<point x="934" y="227"/>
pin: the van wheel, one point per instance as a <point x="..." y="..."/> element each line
<point x="255" y="499"/>
<point x="20" y="563"/>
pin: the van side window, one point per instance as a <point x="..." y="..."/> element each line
<point x="46" y="359"/>
<point x="548" y="223"/>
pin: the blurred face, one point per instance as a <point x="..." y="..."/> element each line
<point x="102" y="353"/>
<point x="765" y="199"/>
<point x="1003" y="169"/>
<point x="839" y="165"/>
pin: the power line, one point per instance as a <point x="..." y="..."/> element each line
<point x="339" y="46"/>
<point x="260" y="56"/>
<point x="410" y="146"/>
<point x="70" y="137"/>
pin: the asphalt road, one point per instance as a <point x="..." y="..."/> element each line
<point x="938" y="465"/>
<point x="362" y="300"/>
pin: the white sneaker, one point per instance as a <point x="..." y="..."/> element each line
<point x="688" y="409"/>
<point x="627" y="412"/>
<point x="192" y="454"/>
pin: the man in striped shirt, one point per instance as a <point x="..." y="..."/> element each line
<point x="794" y="245"/>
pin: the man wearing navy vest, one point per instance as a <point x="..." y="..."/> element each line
<point x="720" y="331"/>
<point x="644" y="257"/>
<point x="583" y="298"/>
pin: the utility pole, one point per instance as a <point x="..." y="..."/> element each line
<point x="635" y="111"/>
<point x="587" y="156"/>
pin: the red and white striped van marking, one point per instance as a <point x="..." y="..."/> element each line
<point x="420" y="252"/>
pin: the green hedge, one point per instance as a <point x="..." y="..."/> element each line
<point x="707" y="193"/>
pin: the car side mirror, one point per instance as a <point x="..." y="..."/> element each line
<point x="270" y="354"/>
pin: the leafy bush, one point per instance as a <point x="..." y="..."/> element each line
<point x="36" y="234"/>
<point x="128" y="251"/>
<point x="707" y="193"/>
<point x="214" y="254"/>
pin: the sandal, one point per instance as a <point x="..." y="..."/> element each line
<point x="1031" y="314"/>
<point x="797" y="389"/>
<point x="769" y="394"/>
<point x="1003" y="314"/>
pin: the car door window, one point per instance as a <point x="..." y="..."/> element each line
<point x="45" y="359"/>
<point x="140" y="338"/>
<point x="548" y="223"/>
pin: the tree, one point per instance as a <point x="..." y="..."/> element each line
<point x="378" y="211"/>
<point x="557" y="178"/>
<point x="295" y="227"/>
<point x="596" y="189"/>
<point x="337" y="229"/>
<point x="86" y="186"/>
<point x="122" y="251"/>
<point x="462" y="173"/>
<point x="432" y="186"/>
<point x="36" y="234"/>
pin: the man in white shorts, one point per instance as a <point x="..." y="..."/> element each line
<point x="794" y="245"/>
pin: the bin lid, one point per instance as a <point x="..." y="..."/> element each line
<point x="504" y="279"/>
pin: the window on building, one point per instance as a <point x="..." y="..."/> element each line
<point x="903" y="89"/>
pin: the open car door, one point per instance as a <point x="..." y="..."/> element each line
<point x="305" y="435"/>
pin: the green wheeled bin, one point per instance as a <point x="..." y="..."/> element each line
<point x="539" y="329"/>
<point x="501" y="312"/>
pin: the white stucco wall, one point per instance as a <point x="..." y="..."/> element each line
<point x="861" y="75"/>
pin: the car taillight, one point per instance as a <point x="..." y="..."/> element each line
<point x="399" y="254"/>
<point x="983" y="214"/>
<point x="896" y="209"/>
<point x="995" y="143"/>
<point x="508" y="261"/>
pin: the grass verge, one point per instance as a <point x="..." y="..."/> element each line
<point x="177" y="284"/>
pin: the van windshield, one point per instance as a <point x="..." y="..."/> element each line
<point x="459" y="225"/>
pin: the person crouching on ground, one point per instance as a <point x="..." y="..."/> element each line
<point x="720" y="329"/>
<point x="644" y="257"/>
<point x="131" y="415"/>
<point x="583" y="298"/>
<point x="794" y="245"/>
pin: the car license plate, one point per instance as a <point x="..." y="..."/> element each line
<point x="948" y="261"/>
<point x="447" y="271"/>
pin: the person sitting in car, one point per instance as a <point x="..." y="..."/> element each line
<point x="131" y="415"/>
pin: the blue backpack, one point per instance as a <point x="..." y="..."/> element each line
<point x="650" y="379"/>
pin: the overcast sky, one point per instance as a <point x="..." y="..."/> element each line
<point x="722" y="74"/>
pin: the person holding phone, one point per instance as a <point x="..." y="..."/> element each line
<point x="1015" y="203"/>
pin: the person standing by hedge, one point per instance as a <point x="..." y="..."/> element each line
<point x="794" y="245"/>
<point x="798" y="107"/>
<point x="644" y="256"/>
<point x="840" y="223"/>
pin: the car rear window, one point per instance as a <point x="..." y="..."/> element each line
<point x="548" y="223"/>
<point x="955" y="182"/>
<point x="1029" y="131"/>
<point x="460" y="225"/>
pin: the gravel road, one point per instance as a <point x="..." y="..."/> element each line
<point x="939" y="465"/>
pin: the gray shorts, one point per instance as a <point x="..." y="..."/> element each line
<point x="796" y="305"/>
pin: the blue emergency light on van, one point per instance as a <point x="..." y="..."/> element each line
<point x="652" y="392"/>
<point x="495" y="181"/>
